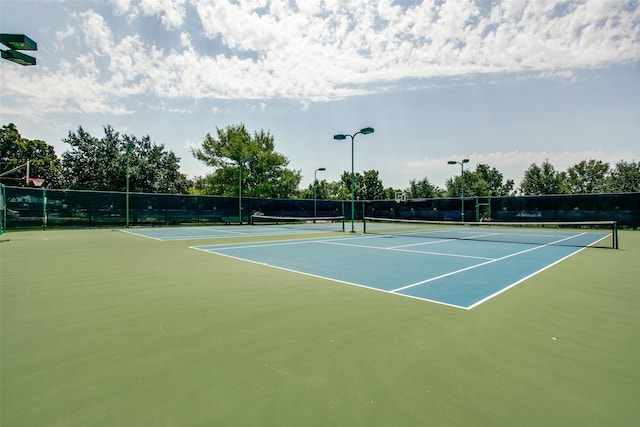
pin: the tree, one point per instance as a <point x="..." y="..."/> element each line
<point x="101" y="164"/>
<point x="372" y="185"/>
<point x="93" y="164"/>
<point x="494" y="180"/>
<point x="624" y="178"/>
<point x="483" y="182"/>
<point x="16" y="151"/>
<point x="264" y="171"/>
<point x="367" y="186"/>
<point x="423" y="189"/>
<point x="588" y="176"/>
<point x="322" y="190"/>
<point x="152" y="169"/>
<point x="338" y="191"/>
<point x="540" y="180"/>
<point x="390" y="193"/>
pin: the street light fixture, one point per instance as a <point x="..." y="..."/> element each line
<point x="16" y="42"/>
<point x="315" y="185"/>
<point x="339" y="137"/>
<point x="461" y="163"/>
<point x="241" y="163"/>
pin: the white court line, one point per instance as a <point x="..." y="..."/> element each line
<point x="422" y="282"/>
<point x="334" y="241"/>
<point x="523" y="279"/>
<point x="399" y="249"/>
<point x="429" y="242"/>
<point x="445" y="240"/>
<point x="212" y="251"/>
<point x="140" y="235"/>
<point x="186" y="236"/>
<point x="241" y="245"/>
<point x="215" y="234"/>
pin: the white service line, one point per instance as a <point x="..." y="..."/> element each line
<point x="422" y="282"/>
<point x="398" y="249"/>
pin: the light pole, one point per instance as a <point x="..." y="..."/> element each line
<point x="129" y="147"/>
<point x="461" y="163"/>
<point x="315" y="185"/>
<point x="241" y="162"/>
<point x="364" y="131"/>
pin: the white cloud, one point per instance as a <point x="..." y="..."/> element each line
<point x="96" y="32"/>
<point x="185" y="40"/>
<point x="321" y="51"/>
<point x="316" y="53"/>
<point x="171" y="12"/>
<point x="120" y="6"/>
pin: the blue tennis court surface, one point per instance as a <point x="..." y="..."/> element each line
<point x="225" y="231"/>
<point x="461" y="273"/>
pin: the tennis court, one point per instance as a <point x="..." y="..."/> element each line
<point x="104" y="328"/>
<point x="455" y="267"/>
<point x="287" y="225"/>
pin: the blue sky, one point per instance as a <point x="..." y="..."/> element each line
<point x="501" y="83"/>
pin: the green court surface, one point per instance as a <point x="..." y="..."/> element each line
<point x="103" y="328"/>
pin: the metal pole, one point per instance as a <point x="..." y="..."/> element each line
<point x="462" y="190"/>
<point x="364" y="131"/>
<point x="241" y="162"/>
<point x="127" y="190"/>
<point x="461" y="163"/>
<point x="353" y="187"/>
<point x="315" y="186"/>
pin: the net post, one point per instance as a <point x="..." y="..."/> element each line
<point x="44" y="208"/>
<point x="615" y="234"/>
<point x="3" y="210"/>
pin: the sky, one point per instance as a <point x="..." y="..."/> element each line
<point x="505" y="84"/>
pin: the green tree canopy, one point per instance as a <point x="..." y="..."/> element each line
<point x="540" y="180"/>
<point x="101" y="164"/>
<point x="16" y="151"/>
<point x="423" y="189"/>
<point x="625" y="177"/>
<point x="337" y="191"/>
<point x="368" y="186"/>
<point x="588" y="176"/>
<point x="264" y="171"/>
<point x="483" y="182"/>
<point x="320" y="189"/>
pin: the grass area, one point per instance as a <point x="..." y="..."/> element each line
<point x="103" y="328"/>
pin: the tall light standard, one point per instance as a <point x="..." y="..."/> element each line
<point x="461" y="163"/>
<point x="315" y="185"/>
<point x="364" y="131"/>
<point x="241" y="162"/>
<point x="129" y="147"/>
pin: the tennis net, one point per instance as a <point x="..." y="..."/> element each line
<point x="324" y="223"/>
<point x="579" y="234"/>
